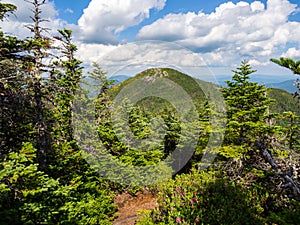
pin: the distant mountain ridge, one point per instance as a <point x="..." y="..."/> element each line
<point x="280" y="91"/>
<point x="270" y="81"/>
<point x="288" y="85"/>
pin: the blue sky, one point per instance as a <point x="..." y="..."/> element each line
<point x="220" y="32"/>
<point x="172" y="6"/>
<point x="72" y="12"/>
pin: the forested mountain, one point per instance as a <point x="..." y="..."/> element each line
<point x="284" y="101"/>
<point x="210" y="154"/>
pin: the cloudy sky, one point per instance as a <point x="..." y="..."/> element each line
<point x="179" y="33"/>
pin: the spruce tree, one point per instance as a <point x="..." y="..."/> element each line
<point x="13" y="97"/>
<point x="249" y="139"/>
<point x="65" y="80"/>
<point x="247" y="108"/>
<point x="37" y="70"/>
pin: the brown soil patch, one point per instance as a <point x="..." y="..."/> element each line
<point x="128" y="206"/>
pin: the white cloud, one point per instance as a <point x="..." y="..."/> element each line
<point x="139" y="56"/>
<point x="254" y="62"/>
<point x="103" y="20"/>
<point x="257" y="6"/>
<point x="24" y="12"/>
<point x="178" y="26"/>
<point x="90" y="53"/>
<point x="15" y="25"/>
<point x="68" y="10"/>
<point x="242" y="30"/>
<point x="292" y="53"/>
<point x="252" y="31"/>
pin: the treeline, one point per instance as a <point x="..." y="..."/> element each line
<point x="44" y="174"/>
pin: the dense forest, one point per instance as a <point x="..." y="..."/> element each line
<point x="53" y="171"/>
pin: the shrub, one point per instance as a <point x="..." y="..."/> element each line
<point x="204" y="198"/>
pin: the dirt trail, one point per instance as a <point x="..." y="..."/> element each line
<point x="128" y="206"/>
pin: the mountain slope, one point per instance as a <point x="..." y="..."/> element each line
<point x="284" y="101"/>
<point x="186" y="85"/>
<point x="199" y="90"/>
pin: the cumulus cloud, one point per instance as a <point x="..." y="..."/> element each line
<point x="234" y="31"/>
<point x="16" y="24"/>
<point x="255" y="62"/>
<point x="241" y="30"/>
<point x="103" y="20"/>
<point x="292" y="53"/>
<point x="24" y="12"/>
<point x="138" y="56"/>
<point x="92" y="52"/>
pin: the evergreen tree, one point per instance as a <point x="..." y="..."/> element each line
<point x="250" y="134"/>
<point x="26" y="194"/>
<point x="89" y="199"/>
<point x="247" y="108"/>
<point x="65" y="80"/>
<point x="57" y="186"/>
<point x="37" y="71"/>
<point x="99" y="82"/>
<point x="15" y="126"/>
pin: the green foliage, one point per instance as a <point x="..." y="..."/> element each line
<point x="24" y="189"/>
<point x="204" y="198"/>
<point x="291" y="130"/>
<point x="153" y="121"/>
<point x="38" y="199"/>
<point x="16" y="102"/>
<point x="247" y="108"/>
<point x="45" y="178"/>
<point x="288" y="119"/>
<point x="207" y="197"/>
<point x="5" y="9"/>
<point x="292" y="65"/>
<point x="284" y="102"/>
<point x="65" y="78"/>
<point x="37" y="101"/>
<point x="287" y="215"/>
<point x="233" y="151"/>
<point x="289" y="63"/>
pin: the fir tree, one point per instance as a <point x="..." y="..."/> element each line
<point x="13" y="96"/>
<point x="248" y="108"/>
<point x="66" y="80"/>
<point x="37" y="69"/>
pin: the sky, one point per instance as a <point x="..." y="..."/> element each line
<point x="196" y="36"/>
